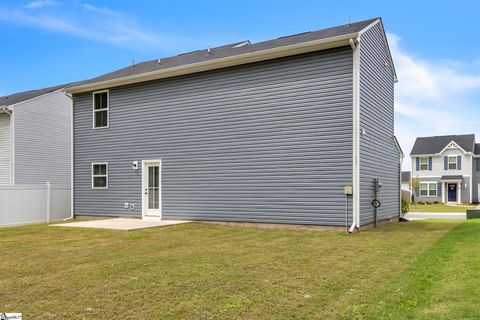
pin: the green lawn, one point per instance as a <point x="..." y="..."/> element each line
<point x="439" y="207"/>
<point x="417" y="270"/>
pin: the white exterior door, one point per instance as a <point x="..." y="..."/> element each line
<point x="152" y="189"/>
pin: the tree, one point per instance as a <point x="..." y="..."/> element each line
<point x="415" y="185"/>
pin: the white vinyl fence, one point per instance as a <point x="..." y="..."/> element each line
<point x="25" y="204"/>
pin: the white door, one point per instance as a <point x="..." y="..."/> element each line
<point x="152" y="189"/>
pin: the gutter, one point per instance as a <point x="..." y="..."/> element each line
<point x="72" y="215"/>
<point x="268" y="54"/>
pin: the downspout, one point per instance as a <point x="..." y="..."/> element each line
<point x="356" y="136"/>
<point x="71" y="159"/>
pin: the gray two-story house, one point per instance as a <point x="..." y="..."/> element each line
<point x="448" y="168"/>
<point x="291" y="130"/>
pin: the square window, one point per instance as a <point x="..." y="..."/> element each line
<point x="432" y="189"/>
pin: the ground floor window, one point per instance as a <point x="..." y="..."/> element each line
<point x="99" y="175"/>
<point x="428" y="189"/>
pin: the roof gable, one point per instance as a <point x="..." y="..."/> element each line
<point x="437" y="144"/>
<point x="18" y="97"/>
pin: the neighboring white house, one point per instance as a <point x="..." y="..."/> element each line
<point x="35" y="156"/>
<point x="448" y="168"/>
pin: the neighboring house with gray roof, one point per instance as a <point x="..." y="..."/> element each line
<point x="35" y="156"/>
<point x="267" y="132"/>
<point x="448" y="168"/>
<point x="406" y="180"/>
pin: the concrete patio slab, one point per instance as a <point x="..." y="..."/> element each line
<point x="435" y="215"/>
<point x="121" y="224"/>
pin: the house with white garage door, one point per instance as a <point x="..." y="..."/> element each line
<point x="288" y="130"/>
<point x="448" y="168"/>
<point x="35" y="156"/>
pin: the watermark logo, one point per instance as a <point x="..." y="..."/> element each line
<point x="10" y="316"/>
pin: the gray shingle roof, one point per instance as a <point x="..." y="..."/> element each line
<point x="406" y="176"/>
<point x="432" y="145"/>
<point x="230" y="50"/>
<point x="22" y="96"/>
<point x="477" y="148"/>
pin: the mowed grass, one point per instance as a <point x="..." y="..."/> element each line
<point x="439" y="208"/>
<point x="411" y="270"/>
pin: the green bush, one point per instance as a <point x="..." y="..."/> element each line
<point x="405" y="206"/>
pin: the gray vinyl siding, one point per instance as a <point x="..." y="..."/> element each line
<point x="266" y="142"/>
<point x="5" y="149"/>
<point x="476" y="181"/>
<point x="42" y="140"/>
<point x="379" y="156"/>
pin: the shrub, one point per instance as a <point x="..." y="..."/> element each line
<point x="405" y="206"/>
<point x="435" y="202"/>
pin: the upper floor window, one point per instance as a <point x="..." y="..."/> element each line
<point x="423" y="163"/>
<point x="100" y="109"/>
<point x="452" y="162"/>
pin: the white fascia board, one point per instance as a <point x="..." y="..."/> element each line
<point x="285" y="51"/>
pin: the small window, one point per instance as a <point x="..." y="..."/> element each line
<point x="428" y="189"/>
<point x="452" y="163"/>
<point x="478" y="163"/>
<point x="423" y="163"/>
<point x="100" y="109"/>
<point x="99" y="175"/>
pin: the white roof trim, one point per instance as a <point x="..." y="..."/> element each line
<point x="452" y="145"/>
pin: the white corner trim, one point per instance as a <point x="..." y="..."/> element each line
<point x="356" y="134"/>
<point x="12" y="148"/>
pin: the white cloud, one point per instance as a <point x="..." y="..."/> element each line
<point x="39" y="4"/>
<point x="433" y="97"/>
<point x="90" y="22"/>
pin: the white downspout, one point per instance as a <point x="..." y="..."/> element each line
<point x="354" y="42"/>
<point x="71" y="159"/>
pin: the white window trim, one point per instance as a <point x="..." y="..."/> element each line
<point x="99" y="175"/>
<point x="96" y="110"/>
<point x="456" y="162"/>
<point x="420" y="164"/>
<point x="428" y="189"/>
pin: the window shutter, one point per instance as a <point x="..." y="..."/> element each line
<point x="445" y="163"/>
<point x="417" y="192"/>
<point x="478" y="164"/>
<point x="459" y="163"/>
<point x="430" y="163"/>
<point x="439" y="189"/>
<point x="418" y="163"/>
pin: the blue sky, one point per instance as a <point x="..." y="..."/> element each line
<point x="434" y="45"/>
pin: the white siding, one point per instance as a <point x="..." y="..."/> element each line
<point x="438" y="166"/>
<point x="42" y="140"/>
<point x="5" y="149"/>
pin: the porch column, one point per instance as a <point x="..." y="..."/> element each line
<point x="459" y="192"/>
<point x="444" y="190"/>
